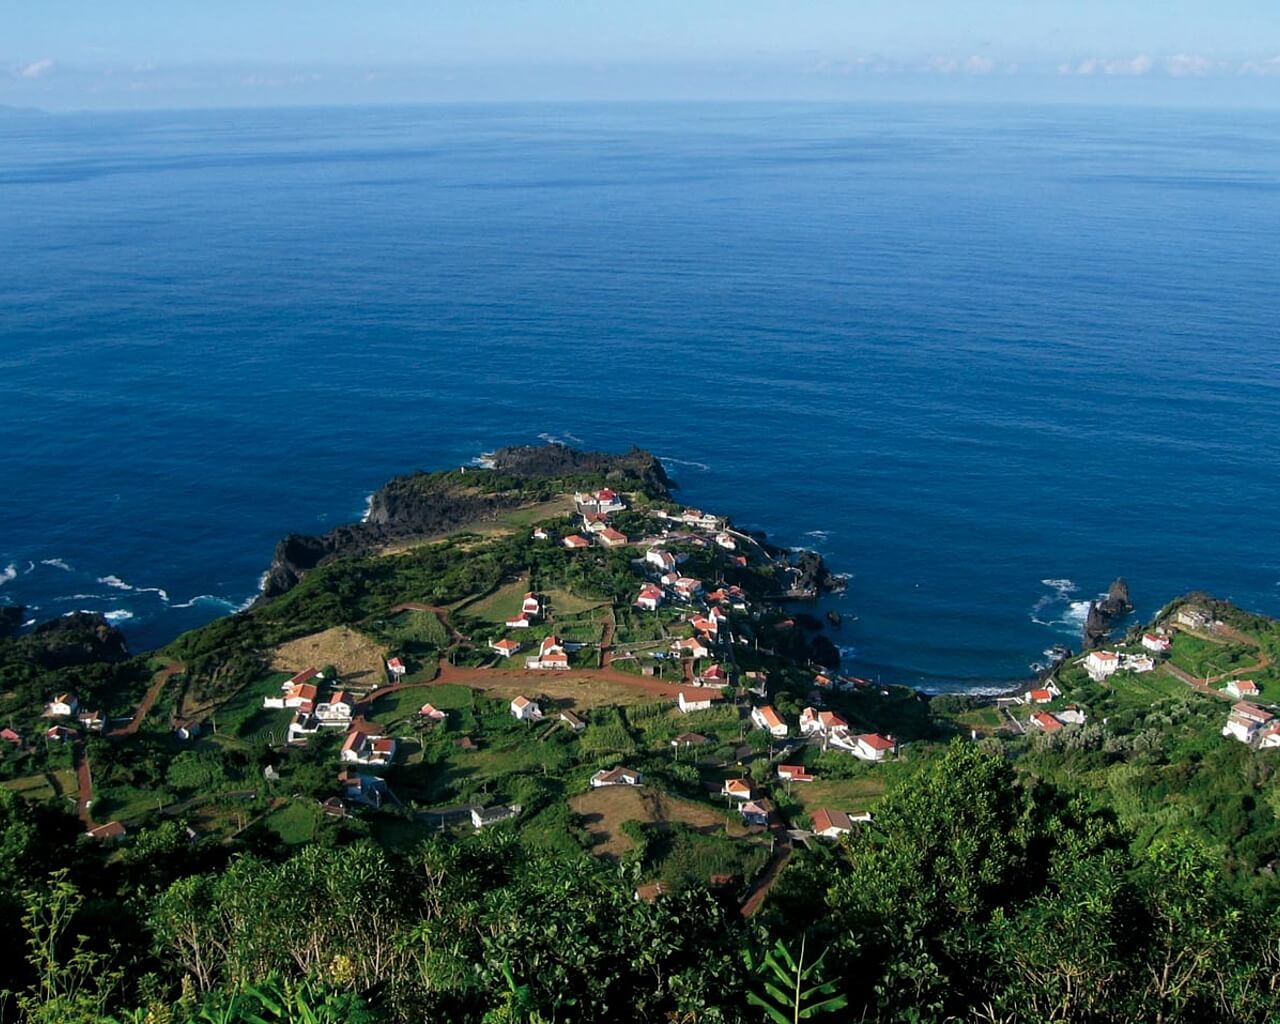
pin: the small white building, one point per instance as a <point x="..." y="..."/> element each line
<point x="396" y="667"/>
<point x="551" y="655"/>
<point x="1241" y="688"/>
<point x="525" y="710"/>
<point x="615" y="777"/>
<point x="661" y="559"/>
<point x="1101" y="664"/>
<point x="504" y="647"/>
<point x="726" y="541"/>
<point x="1072" y="714"/>
<point x="1156" y="643"/>
<point x="485" y="816"/>
<point x="531" y="606"/>
<point x="873" y="747"/>
<point x="650" y="597"/>
<point x="738" y="789"/>
<point x="696" y="700"/>
<point x="767" y="718"/>
<point x="62" y="706"/>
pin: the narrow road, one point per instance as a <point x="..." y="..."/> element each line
<point x="1194" y="683"/>
<point x="158" y="681"/>
<point x="760" y="891"/>
<point x="84" y="783"/>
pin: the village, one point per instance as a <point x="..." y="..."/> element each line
<point x="684" y="703"/>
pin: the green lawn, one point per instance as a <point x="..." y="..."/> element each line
<point x="127" y="803"/>
<point x="503" y="604"/>
<point x="420" y="629"/>
<point x="561" y="603"/>
<point x="32" y="787"/>
<point x="235" y="716"/>
<point x="294" y="823"/>
<point x="403" y="704"/>
<point x="1141" y="689"/>
<point x="1202" y="658"/>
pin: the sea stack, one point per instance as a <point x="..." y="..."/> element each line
<point x="1105" y="613"/>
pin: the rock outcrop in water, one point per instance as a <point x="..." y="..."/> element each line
<point x="1104" y="614"/>
<point x="80" y="638"/>
<point x="428" y="504"/>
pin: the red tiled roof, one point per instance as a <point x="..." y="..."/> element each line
<point x="876" y="741"/>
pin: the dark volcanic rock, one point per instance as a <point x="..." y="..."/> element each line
<point x="80" y="638"/>
<point x="1104" y="614"/>
<point x="806" y="621"/>
<point x="425" y="504"/>
<point x="12" y="616"/>
<point x="823" y="652"/>
<point x="835" y="618"/>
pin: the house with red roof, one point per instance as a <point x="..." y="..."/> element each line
<point x="59" y="734"/>
<point x="62" y="706"/>
<point x="615" y="777"/>
<point x="831" y="824"/>
<point x="697" y="700"/>
<point x="1245" y="721"/>
<point x="873" y="747"/>
<point x="716" y="675"/>
<point x="576" y="542"/>
<point x="531" y="606"/>
<point x="766" y="717"/>
<point x="1156" y="643"/>
<point x="693" y="647"/>
<point x="520" y="621"/>
<point x="551" y="655"/>
<point x="505" y="647"/>
<point x="396" y="667"/>
<point x="737" y="789"/>
<point x="432" y="713"/>
<point x="111" y="830"/>
<point x="525" y="710"/>
<point x="1240" y="688"/>
<point x="757" y="812"/>
<point x="794" y="773"/>
<point x="1101" y="664"/>
<point x="1044" y="720"/>
<point x="650" y="597"/>
<point x="9" y="736"/>
<point x="612" y="538"/>
<point x="661" y="559"/>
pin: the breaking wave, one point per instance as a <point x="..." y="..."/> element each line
<point x="10" y="572"/>
<point x="563" y="440"/>
<point x="667" y="459"/>
<point x="118" y="615"/>
<point x="118" y="584"/>
<point x="56" y="563"/>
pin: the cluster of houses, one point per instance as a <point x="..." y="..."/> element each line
<point x="594" y="509"/>
<point x="362" y="747"/>
<point x="1251" y="724"/>
<point x="832" y="730"/>
<point x="311" y="714"/>
<point x="1101" y="665"/>
<point x="1047" y="721"/>
<point x="64" y="705"/>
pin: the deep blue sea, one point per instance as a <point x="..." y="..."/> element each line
<point x="983" y="358"/>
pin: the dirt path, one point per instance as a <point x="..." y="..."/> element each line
<point x="84" y="780"/>
<point x="760" y="891"/>
<point x="1205" y="685"/>
<point x="1194" y="683"/>
<point x="606" y="643"/>
<point x="477" y="677"/>
<point x="158" y="681"/>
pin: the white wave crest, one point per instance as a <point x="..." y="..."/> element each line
<point x="665" y="459"/>
<point x="118" y="615"/>
<point x="28" y="623"/>
<point x="1062" y="586"/>
<point x="117" y="583"/>
<point x="56" y="563"/>
<point x="562" y="439"/>
<point x="368" y="508"/>
<point x="10" y="572"/>
<point x="847" y="653"/>
<point x="114" y="581"/>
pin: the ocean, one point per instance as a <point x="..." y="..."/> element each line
<point x="983" y="358"/>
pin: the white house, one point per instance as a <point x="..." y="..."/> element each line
<point x="1044" y="720"/>
<point x="738" y="789"/>
<point x="302" y="725"/>
<point x="650" y="597"/>
<point x="1245" y="720"/>
<point x="62" y="706"/>
<point x="873" y="747"/>
<point x="687" y="587"/>
<point x="1039" y="696"/>
<point x="1137" y="663"/>
<point x="572" y="721"/>
<point x="662" y="559"/>
<point x="432" y="713"/>
<point x="298" y="695"/>
<point x="767" y="718"/>
<point x="531" y="606"/>
<point x="1156" y="643"/>
<point x="396" y="667"/>
<point x="605" y="500"/>
<point x="1241" y="688"/>
<point x="831" y="824"/>
<point x="726" y="541"/>
<point x="482" y="816"/>
<point x="793" y="773"/>
<point x="362" y="748"/>
<point x="551" y="655"/>
<point x="1072" y="714"/>
<point x="814" y="722"/>
<point x="615" y="777"/>
<point x="576" y="542"/>
<point x="757" y="812"/>
<point x="1270" y="736"/>
<point x="520" y="621"/>
<point x="714" y="676"/>
<point x="696" y="700"/>
<point x="692" y="647"/>
<point x="525" y="710"/>
<point x="1101" y="664"/>
<point x="336" y="711"/>
<point x="504" y="647"/>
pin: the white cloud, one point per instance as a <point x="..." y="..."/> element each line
<point x="36" y="69"/>
<point x="1188" y="65"/>
<point x="1139" y="65"/>
<point x="1263" y="68"/>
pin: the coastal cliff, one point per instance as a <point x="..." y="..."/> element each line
<point x="420" y="505"/>
<point x="1106" y="613"/>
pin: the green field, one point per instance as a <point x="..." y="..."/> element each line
<point x="503" y="604"/>
<point x="34" y="787"/>
<point x="395" y="707"/>
<point x="1201" y="658"/>
<point x="414" y="628"/>
<point x="561" y="603"/>
<point x="294" y="823"/>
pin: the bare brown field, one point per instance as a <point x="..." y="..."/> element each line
<point x="604" y="810"/>
<point x="355" y="655"/>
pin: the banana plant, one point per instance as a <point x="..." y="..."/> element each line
<point x="793" y="990"/>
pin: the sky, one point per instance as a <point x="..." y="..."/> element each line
<point x="72" y="54"/>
